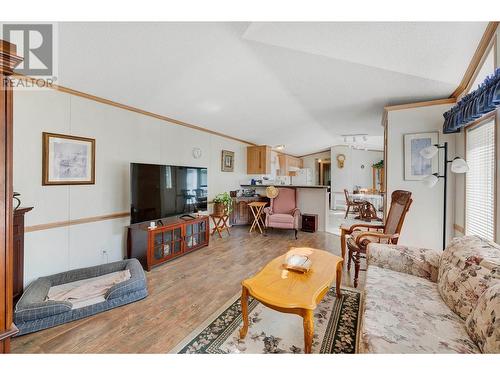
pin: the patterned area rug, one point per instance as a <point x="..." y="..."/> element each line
<point x="336" y="328"/>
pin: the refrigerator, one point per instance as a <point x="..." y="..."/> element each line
<point x="303" y="177"/>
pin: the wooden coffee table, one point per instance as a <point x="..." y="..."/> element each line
<point x="292" y="292"/>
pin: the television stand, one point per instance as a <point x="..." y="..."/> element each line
<point x="174" y="238"/>
<point x="187" y="217"/>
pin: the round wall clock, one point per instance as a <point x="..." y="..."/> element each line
<point x="196" y="153"/>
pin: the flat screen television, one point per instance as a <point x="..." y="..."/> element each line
<point x="166" y="190"/>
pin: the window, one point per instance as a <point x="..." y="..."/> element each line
<point x="480" y="180"/>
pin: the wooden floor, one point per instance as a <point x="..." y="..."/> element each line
<point x="182" y="294"/>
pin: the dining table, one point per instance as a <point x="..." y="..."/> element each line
<point x="376" y="199"/>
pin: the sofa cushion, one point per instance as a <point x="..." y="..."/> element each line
<point x="468" y="267"/>
<point x="483" y="324"/>
<point x="405" y="314"/>
<point x="281" y="218"/>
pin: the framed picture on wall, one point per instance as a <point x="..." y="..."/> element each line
<point x="67" y="160"/>
<point x="227" y="161"/>
<point x="415" y="166"/>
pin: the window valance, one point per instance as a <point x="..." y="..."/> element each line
<point x="474" y="105"/>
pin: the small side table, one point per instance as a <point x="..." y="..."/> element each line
<point x="220" y="224"/>
<point x="256" y="208"/>
<point x="309" y="223"/>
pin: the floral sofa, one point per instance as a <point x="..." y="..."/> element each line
<point x="428" y="301"/>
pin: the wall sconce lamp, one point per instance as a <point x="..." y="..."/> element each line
<point x="458" y="165"/>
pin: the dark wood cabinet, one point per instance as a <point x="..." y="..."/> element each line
<point x="174" y="238"/>
<point x="241" y="214"/>
<point x="309" y="222"/>
<point x="18" y="252"/>
<point x="8" y="61"/>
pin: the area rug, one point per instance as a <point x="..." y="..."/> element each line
<point x="336" y="328"/>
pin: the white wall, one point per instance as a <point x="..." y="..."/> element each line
<point x="353" y="174"/>
<point x="311" y="162"/>
<point x="423" y="224"/>
<point x="121" y="137"/>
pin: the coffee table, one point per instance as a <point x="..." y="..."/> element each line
<point x="292" y="292"/>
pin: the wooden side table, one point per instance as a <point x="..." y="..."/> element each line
<point x="220" y="224"/>
<point x="256" y="208"/>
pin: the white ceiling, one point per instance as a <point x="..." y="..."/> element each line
<point x="298" y="84"/>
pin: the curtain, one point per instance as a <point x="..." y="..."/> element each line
<point x="474" y="105"/>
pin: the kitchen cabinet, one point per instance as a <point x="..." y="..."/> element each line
<point x="287" y="163"/>
<point x="258" y="160"/>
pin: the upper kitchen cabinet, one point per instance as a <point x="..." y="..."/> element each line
<point x="258" y="160"/>
<point x="288" y="165"/>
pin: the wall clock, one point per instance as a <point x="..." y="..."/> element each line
<point x="340" y="160"/>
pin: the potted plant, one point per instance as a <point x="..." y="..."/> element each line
<point x="223" y="204"/>
<point x="378" y="165"/>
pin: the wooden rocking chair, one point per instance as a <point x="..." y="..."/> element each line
<point x="358" y="236"/>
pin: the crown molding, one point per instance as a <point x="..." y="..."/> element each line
<point x="8" y="57"/>
<point x="477" y="59"/>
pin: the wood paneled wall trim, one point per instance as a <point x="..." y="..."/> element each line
<point x="126" y="107"/>
<point x="133" y="109"/>
<point x="427" y="103"/>
<point x="477" y="59"/>
<point x="420" y="104"/>
<point x="66" y="223"/>
<point x="459" y="228"/>
<point x="314" y="153"/>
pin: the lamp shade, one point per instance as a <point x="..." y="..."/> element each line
<point x="429" y="152"/>
<point x="459" y="165"/>
<point x="430" y="181"/>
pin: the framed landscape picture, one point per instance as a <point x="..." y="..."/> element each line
<point x="415" y="166"/>
<point x="227" y="162"/>
<point x="67" y="160"/>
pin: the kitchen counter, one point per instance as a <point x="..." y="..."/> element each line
<point x="290" y="186"/>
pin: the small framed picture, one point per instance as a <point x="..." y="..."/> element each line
<point x="227" y="161"/>
<point x="67" y="160"/>
<point x="415" y="166"/>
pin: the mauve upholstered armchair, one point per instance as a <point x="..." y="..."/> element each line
<point x="283" y="212"/>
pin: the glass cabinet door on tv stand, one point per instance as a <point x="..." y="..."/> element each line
<point x="174" y="239"/>
<point x="167" y="243"/>
<point x="196" y="235"/>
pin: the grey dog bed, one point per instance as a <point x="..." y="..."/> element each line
<point x="33" y="313"/>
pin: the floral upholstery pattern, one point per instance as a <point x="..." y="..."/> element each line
<point x="405" y="314"/>
<point x="351" y="238"/>
<point x="411" y="260"/>
<point x="468" y="266"/>
<point x="483" y="324"/>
